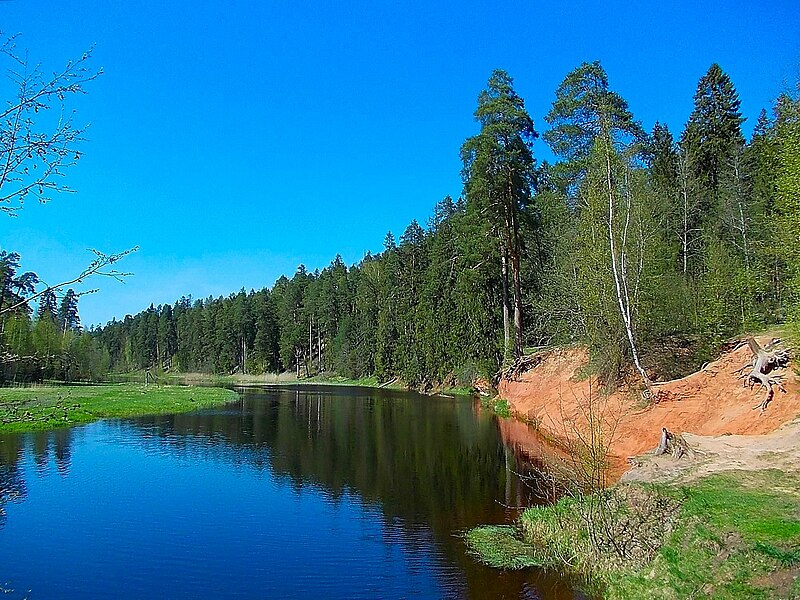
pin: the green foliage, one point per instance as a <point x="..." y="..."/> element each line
<point x="499" y="406"/>
<point x="705" y="247"/>
<point x="787" y="200"/>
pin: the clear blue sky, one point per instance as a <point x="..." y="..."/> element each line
<point x="234" y="140"/>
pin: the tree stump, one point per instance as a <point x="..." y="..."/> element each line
<point x="671" y="443"/>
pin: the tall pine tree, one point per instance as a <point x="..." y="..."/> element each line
<point x="499" y="171"/>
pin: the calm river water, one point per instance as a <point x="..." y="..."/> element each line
<point x="288" y="493"/>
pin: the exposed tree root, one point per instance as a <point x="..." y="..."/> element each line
<point x="520" y="366"/>
<point x="760" y="370"/>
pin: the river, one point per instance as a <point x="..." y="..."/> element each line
<point x="301" y="492"/>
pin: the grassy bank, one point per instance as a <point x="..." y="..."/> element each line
<point x="274" y="379"/>
<point x="733" y="535"/>
<point x="37" y="408"/>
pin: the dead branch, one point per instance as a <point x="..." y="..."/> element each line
<point x="521" y="365"/>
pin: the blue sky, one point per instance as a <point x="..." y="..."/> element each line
<point x="232" y="141"/>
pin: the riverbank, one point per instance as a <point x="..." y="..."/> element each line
<point x="560" y="401"/>
<point x="718" y="517"/>
<point x="288" y="379"/>
<point x="48" y="407"/>
<point x="731" y="535"/>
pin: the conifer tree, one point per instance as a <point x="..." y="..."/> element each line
<point x="712" y="138"/>
<point x="47" y="306"/>
<point x="68" y="318"/>
<point x="498" y="174"/>
<point x="383" y="277"/>
<point x="584" y="109"/>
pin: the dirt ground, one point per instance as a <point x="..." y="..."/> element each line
<point x="711" y="408"/>
<point x="711" y="454"/>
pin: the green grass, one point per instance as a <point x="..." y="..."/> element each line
<point x="37" y="408"/>
<point x="734" y="535"/>
<point x="282" y="379"/>
<point x="458" y="390"/>
<point x="371" y="381"/>
<point x="498" y="405"/>
<point x="502" y="547"/>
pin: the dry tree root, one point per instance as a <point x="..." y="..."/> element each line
<point x="760" y="370"/>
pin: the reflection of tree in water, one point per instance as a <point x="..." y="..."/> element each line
<point x="41" y="446"/>
<point x="12" y="483"/>
<point x="433" y="466"/>
<point x="419" y="459"/>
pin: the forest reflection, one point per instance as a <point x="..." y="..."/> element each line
<point x="432" y="466"/>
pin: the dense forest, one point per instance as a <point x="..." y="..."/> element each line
<point x="652" y="249"/>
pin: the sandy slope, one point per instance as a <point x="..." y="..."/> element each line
<point x="711" y="402"/>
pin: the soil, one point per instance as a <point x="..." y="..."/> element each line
<point x="710" y="408"/>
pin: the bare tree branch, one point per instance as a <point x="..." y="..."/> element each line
<point x="34" y="155"/>
<point x="98" y="267"/>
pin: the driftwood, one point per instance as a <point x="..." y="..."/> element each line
<point x="671" y="443"/>
<point x="761" y="370"/>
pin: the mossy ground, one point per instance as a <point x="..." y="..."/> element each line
<point x="733" y="535"/>
<point x="48" y="407"/>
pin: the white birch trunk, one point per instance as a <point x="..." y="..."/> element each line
<point x="623" y="299"/>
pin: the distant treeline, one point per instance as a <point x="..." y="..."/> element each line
<point x="652" y="251"/>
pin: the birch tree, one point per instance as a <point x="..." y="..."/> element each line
<point x="595" y="132"/>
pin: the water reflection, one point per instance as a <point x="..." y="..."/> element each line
<point x="45" y="448"/>
<point x="427" y="467"/>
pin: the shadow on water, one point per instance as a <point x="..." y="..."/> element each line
<point x="432" y="467"/>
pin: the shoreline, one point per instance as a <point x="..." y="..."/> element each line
<point x="41" y="408"/>
<point x="288" y="380"/>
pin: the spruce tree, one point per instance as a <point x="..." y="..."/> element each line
<point x="68" y="318"/>
<point x="663" y="161"/>
<point x="713" y="136"/>
<point x="47" y="306"/>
